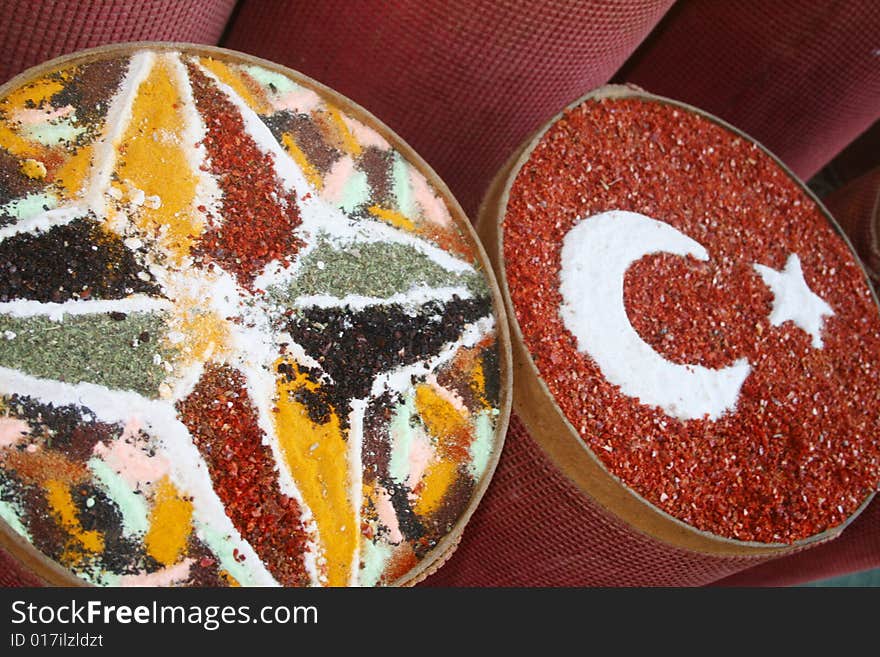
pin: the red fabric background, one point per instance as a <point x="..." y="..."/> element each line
<point x="462" y="81"/>
<point x="803" y="78"/>
<point x="32" y="32"/>
<point x="535" y="528"/>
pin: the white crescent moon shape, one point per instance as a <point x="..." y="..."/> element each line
<point x="595" y="256"/>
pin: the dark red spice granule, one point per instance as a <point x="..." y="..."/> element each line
<point x="800" y="453"/>
<point x="455" y="501"/>
<point x="258" y="215"/>
<point x="223" y="424"/>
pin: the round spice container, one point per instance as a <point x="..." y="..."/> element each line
<point x="696" y="355"/>
<point x="247" y="337"/>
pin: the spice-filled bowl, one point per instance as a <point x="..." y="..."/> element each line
<point x="696" y="348"/>
<point x="248" y="336"/>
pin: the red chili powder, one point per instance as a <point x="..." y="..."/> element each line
<point x="258" y="215"/>
<point x="223" y="423"/>
<point x="800" y="452"/>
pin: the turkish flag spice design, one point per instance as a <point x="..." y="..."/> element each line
<point x="697" y="319"/>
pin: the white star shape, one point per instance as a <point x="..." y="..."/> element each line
<point x="794" y="300"/>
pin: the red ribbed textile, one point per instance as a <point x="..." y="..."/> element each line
<point x="463" y="81"/>
<point x="803" y="78"/>
<point x="34" y="31"/>
<point x="535" y="528"/>
<point x="856" y="206"/>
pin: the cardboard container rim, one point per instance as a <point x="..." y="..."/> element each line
<point x="569" y="451"/>
<point x="38" y="564"/>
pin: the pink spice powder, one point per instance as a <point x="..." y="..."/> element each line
<point x="801" y="450"/>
